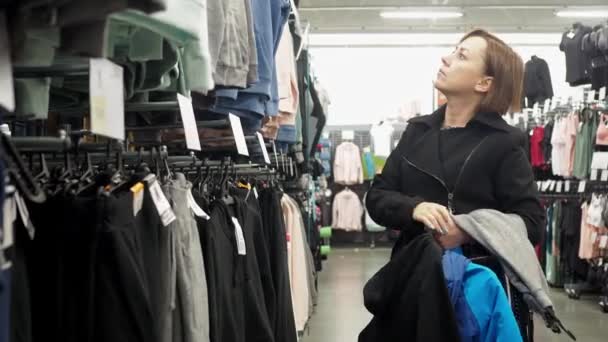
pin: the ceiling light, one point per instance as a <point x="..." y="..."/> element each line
<point x="582" y="14"/>
<point x="421" y="15"/>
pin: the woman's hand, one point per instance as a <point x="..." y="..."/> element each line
<point x="438" y="218"/>
<point x="455" y="237"/>
<point x="434" y="216"/>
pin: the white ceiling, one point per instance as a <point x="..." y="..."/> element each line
<point x="358" y="16"/>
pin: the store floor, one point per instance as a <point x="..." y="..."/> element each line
<point x="340" y="314"/>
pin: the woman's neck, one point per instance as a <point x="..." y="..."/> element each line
<point x="459" y="113"/>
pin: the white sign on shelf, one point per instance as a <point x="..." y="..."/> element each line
<point x="263" y="147"/>
<point x="348" y="135"/>
<point x="567" y="186"/>
<point x="239" y="136"/>
<point x="190" y="129"/>
<point x="107" y="99"/>
<point x="582" y="186"/>
<point x="559" y="186"/>
<point x="7" y="89"/>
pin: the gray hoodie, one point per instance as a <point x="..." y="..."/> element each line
<point x="505" y="236"/>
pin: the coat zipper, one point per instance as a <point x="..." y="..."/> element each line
<point x="450" y="193"/>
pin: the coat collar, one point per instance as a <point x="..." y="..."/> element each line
<point x="492" y="120"/>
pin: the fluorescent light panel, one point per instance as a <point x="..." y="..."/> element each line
<point x="421" y="15"/>
<point x="582" y="14"/>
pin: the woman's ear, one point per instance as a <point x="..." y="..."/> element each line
<point x="484" y="84"/>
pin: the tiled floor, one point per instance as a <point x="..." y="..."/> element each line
<point x="340" y="314"/>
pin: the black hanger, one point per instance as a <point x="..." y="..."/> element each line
<point x="22" y="177"/>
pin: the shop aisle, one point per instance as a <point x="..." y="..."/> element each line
<point x="340" y="314"/>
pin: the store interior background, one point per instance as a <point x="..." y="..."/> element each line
<point x="376" y="68"/>
<point x="358" y="54"/>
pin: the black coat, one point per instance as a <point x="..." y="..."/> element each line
<point x="409" y="297"/>
<point x="537" y="80"/>
<point x="496" y="175"/>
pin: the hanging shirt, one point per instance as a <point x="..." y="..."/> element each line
<point x="347" y="164"/>
<point x="570" y="139"/>
<point x="347" y="211"/>
<point x="381" y="137"/>
<point x="536" y="147"/>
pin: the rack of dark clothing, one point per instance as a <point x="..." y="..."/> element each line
<point x="107" y="262"/>
<point x="586" y="51"/>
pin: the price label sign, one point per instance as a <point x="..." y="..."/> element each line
<point x="263" y="147"/>
<point x="190" y="129"/>
<point x="239" y="136"/>
<point x="560" y="184"/>
<point x="107" y="99"/>
<point x="567" y="186"/>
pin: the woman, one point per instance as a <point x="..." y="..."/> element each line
<point x="464" y="156"/>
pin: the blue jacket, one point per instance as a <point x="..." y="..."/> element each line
<point x="482" y="309"/>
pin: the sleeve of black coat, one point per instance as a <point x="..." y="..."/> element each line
<point x="517" y="192"/>
<point x="386" y="202"/>
<point x="547" y="84"/>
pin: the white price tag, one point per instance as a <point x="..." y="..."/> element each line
<point x="348" y="135"/>
<point x="582" y="185"/>
<point x="160" y="202"/>
<point x="138" y="197"/>
<point x="567" y="187"/>
<point x="546" y="185"/>
<point x="539" y="185"/>
<point x="107" y="99"/>
<point x="190" y="129"/>
<point x="255" y="192"/>
<point x="239" y="136"/>
<point x="9" y="217"/>
<point x="196" y="209"/>
<point x="571" y="35"/>
<point x="552" y="187"/>
<point x="560" y="184"/>
<point x="240" y="237"/>
<point x="604" y="176"/>
<point x="7" y="89"/>
<point x="594" y="173"/>
<point x="547" y="105"/>
<point x="263" y="147"/>
<point x="604" y="241"/>
<point x="602" y="93"/>
<point x="25" y="215"/>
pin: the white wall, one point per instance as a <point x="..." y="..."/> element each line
<point x="369" y="77"/>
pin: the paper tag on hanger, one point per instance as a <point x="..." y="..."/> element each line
<point x="7" y="89"/>
<point x="547" y="106"/>
<point x="546" y="185"/>
<point x="604" y="177"/>
<point x="604" y="241"/>
<point x="9" y="217"/>
<point x="559" y="186"/>
<point x="196" y="209"/>
<point x="538" y="185"/>
<point x="240" y="237"/>
<point x="593" y="237"/>
<point x="602" y="93"/>
<point x="190" y="129"/>
<point x="255" y="192"/>
<point x="239" y="136"/>
<point x="582" y="185"/>
<point x="571" y="35"/>
<point x="161" y="203"/>
<point x="138" y="197"/>
<point x="25" y="215"/>
<point x="263" y="147"/>
<point x="567" y="186"/>
<point x="107" y="98"/>
<point x="594" y="173"/>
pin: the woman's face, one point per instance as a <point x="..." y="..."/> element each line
<point x="463" y="71"/>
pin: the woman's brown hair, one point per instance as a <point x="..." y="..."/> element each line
<point x="507" y="69"/>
